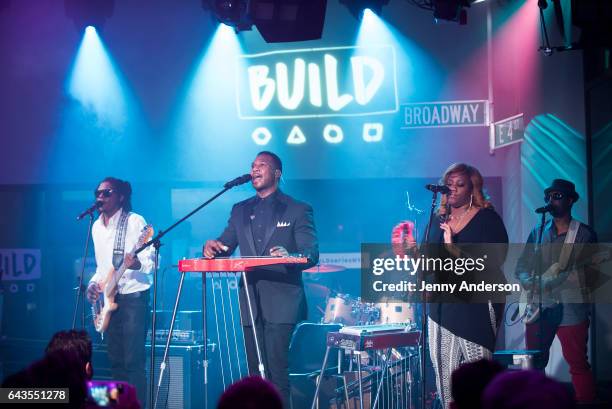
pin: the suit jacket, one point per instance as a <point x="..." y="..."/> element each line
<point x="277" y="292"/>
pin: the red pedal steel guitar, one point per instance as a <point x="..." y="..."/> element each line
<point x="220" y="265"/>
<point x="104" y="306"/>
<point x="234" y="264"/>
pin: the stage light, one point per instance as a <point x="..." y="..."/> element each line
<point x="90" y="29"/>
<point x="233" y="13"/>
<point x="451" y="10"/>
<point x="288" y="20"/>
<point x="276" y="20"/>
<point x="358" y="7"/>
<point x="86" y="13"/>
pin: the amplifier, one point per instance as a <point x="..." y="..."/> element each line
<point x="181" y="386"/>
<point x="183" y="383"/>
<point x="185" y="320"/>
<point x="179" y="336"/>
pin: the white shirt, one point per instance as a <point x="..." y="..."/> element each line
<point x="104" y="242"/>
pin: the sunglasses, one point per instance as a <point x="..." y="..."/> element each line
<point x="104" y="192"/>
<point x="554" y="196"/>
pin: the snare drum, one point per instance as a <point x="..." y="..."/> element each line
<point x="342" y="309"/>
<point x="396" y="313"/>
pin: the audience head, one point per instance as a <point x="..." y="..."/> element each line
<point x="59" y="369"/>
<point x="469" y="381"/>
<point x="526" y="390"/>
<point x="251" y="393"/>
<point x="78" y="342"/>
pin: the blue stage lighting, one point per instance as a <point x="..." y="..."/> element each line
<point x="358" y="7"/>
<point x="208" y="99"/>
<point x="94" y="82"/>
<point x="373" y="30"/>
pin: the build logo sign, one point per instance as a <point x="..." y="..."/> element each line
<point x="318" y="83"/>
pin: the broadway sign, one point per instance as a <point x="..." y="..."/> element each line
<point x="445" y="114"/>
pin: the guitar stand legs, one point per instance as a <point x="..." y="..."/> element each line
<point x="357" y="355"/>
<point x="262" y="369"/>
<point x="320" y="379"/>
<point x="382" y="378"/>
<point x="360" y="378"/>
<point x="162" y="366"/>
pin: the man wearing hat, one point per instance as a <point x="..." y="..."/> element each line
<point x="562" y="314"/>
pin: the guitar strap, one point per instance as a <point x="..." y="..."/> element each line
<point x="119" y="248"/>
<point x="570" y="238"/>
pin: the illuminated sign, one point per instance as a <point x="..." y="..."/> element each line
<point x="332" y="133"/>
<point x="318" y="82"/>
<point x="20" y="264"/>
<point x="445" y="114"/>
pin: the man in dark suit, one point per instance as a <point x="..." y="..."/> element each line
<point x="270" y="224"/>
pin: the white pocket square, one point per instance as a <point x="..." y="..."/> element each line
<point x="283" y="224"/>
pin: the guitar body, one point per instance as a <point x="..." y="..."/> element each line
<point x="528" y="306"/>
<point x="104" y="307"/>
<point x="102" y="318"/>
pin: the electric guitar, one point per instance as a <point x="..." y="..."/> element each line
<point x="529" y="303"/>
<point x="104" y="306"/>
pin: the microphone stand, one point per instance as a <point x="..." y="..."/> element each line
<point x="424" y="331"/>
<point x="156" y="243"/>
<point x="539" y="274"/>
<point x="79" y="289"/>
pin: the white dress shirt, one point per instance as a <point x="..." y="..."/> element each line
<point x="104" y="242"/>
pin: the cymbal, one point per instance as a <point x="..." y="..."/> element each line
<point x="316" y="290"/>
<point x="325" y="268"/>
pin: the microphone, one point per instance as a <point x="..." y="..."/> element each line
<point x="544" y="209"/>
<point x="438" y="188"/>
<point x="240" y="180"/>
<point x="91" y="209"/>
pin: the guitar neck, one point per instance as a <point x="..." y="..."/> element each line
<point x="115" y="277"/>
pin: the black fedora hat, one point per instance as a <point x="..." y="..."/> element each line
<point x="564" y="186"/>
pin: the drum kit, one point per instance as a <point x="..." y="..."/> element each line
<point x="345" y="309"/>
<point x="398" y="364"/>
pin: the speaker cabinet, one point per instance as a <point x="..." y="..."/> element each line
<point x="182" y="385"/>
